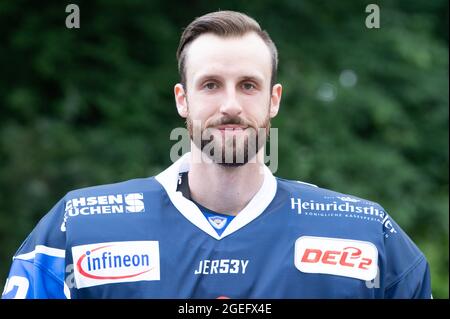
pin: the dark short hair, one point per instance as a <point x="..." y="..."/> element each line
<point x="223" y="24"/>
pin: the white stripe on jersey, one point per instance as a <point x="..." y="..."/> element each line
<point x="40" y="249"/>
<point x="307" y="183"/>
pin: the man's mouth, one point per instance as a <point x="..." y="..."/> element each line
<point x="231" y="127"/>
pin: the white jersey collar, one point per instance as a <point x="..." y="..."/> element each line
<point x="169" y="179"/>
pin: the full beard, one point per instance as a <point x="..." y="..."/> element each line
<point x="228" y="149"/>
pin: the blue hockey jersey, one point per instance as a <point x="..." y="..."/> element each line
<point x="143" y="239"/>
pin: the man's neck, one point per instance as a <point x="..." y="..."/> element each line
<point x="223" y="189"/>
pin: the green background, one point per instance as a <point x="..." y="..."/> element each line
<point x="94" y="105"/>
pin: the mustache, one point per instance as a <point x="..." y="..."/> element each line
<point x="225" y="120"/>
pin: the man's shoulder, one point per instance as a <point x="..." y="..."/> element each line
<point x="136" y="185"/>
<point x="311" y="191"/>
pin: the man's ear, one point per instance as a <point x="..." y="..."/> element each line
<point x="275" y="100"/>
<point x="180" y="100"/>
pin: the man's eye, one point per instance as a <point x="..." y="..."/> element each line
<point x="248" y="86"/>
<point x="210" y="86"/>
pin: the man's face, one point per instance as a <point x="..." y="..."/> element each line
<point x="228" y="95"/>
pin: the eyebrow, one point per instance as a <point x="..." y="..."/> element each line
<point x="254" y="78"/>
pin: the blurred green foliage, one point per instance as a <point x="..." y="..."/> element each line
<point x="94" y="105"/>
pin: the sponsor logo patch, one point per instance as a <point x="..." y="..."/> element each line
<point x="336" y="256"/>
<point x="105" y="204"/>
<point x="114" y="262"/>
<point x="346" y="207"/>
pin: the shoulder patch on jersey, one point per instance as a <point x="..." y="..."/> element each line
<point x="336" y="256"/>
<point x="124" y="197"/>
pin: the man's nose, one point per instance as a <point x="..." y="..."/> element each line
<point x="231" y="106"/>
